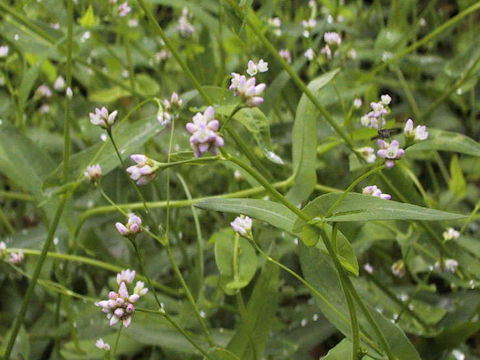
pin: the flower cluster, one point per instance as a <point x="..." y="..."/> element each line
<point x="275" y="23"/>
<point x="286" y="55"/>
<point x="373" y="190"/>
<point x="242" y="225"/>
<point x="169" y="110"/>
<point x="451" y="234"/>
<point x="449" y="265"/>
<point x="376" y="118"/>
<point x="308" y="25"/>
<point x="59" y="83"/>
<point x="253" y="68"/>
<point x="419" y="133"/>
<point x="93" y="173"/>
<point x="332" y="40"/>
<point x="124" y="9"/>
<point x="120" y="304"/>
<point x="390" y="151"/>
<point x="103" y="118"/>
<point x="144" y="170"/>
<point x="309" y="54"/>
<point x="43" y="91"/>
<point x="102" y="345"/>
<point x="247" y="89"/>
<point x="132" y="227"/>
<point x="185" y="28"/>
<point x="204" y="130"/>
<point x="368" y="153"/>
<point x="16" y="258"/>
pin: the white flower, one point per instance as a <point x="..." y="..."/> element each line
<point x="368" y="153"/>
<point x="59" y="83"/>
<point x="332" y="38"/>
<point x="352" y="54"/>
<point x="103" y="118"/>
<point x="285" y="54"/>
<point x="44" y="91"/>
<point x="373" y="190"/>
<point x="308" y="25"/>
<point x="457" y="353"/>
<point x="368" y="268"/>
<point x="449" y="265"/>
<point x="398" y="269"/>
<point x="126" y="275"/>
<point x="309" y="54"/>
<point x="204" y="130"/>
<point x="419" y="133"/>
<point x="132" y="227"/>
<point x="4" y="51"/>
<point x="327" y="52"/>
<point x="144" y="170"/>
<point x="357" y="103"/>
<point x="3" y="248"/>
<point x="242" y="225"/>
<point x="140" y="288"/>
<point x="386" y="99"/>
<point x="451" y="234"/>
<point x="44" y="109"/>
<point x="185" y="28"/>
<point x="124" y="9"/>
<point x="93" y="172"/>
<point x="247" y="89"/>
<point x="275" y="23"/>
<point x="253" y="68"/>
<point x="102" y="345"/>
<point x="16" y="258"/>
<point x="390" y="152"/>
<point x="69" y="92"/>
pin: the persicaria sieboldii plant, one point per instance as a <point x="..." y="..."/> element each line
<point x="273" y="171"/>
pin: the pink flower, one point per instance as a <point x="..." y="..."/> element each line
<point x="144" y="171"/>
<point x="103" y="118"/>
<point x="204" y="129"/>
<point x="132" y="227"/>
<point x="390" y="152"/>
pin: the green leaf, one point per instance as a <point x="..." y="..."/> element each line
<point x="22" y="161"/>
<point x="250" y="339"/>
<point x="359" y="207"/>
<point x="236" y="260"/>
<point x="457" y="185"/>
<point x="128" y="136"/>
<point x="304" y="142"/>
<point x="342" y="351"/>
<point x="310" y="235"/>
<point x="145" y="86"/>
<point x="88" y="18"/>
<point x="282" y="218"/>
<point x="447" y="141"/>
<point x="271" y="212"/>
<point x="321" y="274"/>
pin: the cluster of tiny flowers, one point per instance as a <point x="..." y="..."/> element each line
<point x="242" y="225"/>
<point x="93" y="173"/>
<point x="368" y="268"/>
<point x="368" y="153"/>
<point x="376" y="118"/>
<point x="132" y="227"/>
<point x="449" y="265"/>
<point x="419" y="133"/>
<point x="103" y="118"/>
<point x="247" y="89"/>
<point x="286" y="55"/>
<point x="169" y="110"/>
<point x="4" y="51"/>
<point x="398" y="269"/>
<point x="144" y="170"/>
<point x="59" y="83"/>
<point x="16" y="258"/>
<point x="308" y="25"/>
<point x="275" y="23"/>
<point x="124" y="9"/>
<point x="43" y="91"/>
<point x="120" y="304"/>
<point x="204" y="130"/>
<point x="451" y="234"/>
<point x="373" y="190"/>
<point x="357" y="103"/>
<point x="332" y="40"/>
<point x="253" y="68"/>
<point x="185" y="28"/>
<point x="102" y="345"/>
<point x="390" y="152"/>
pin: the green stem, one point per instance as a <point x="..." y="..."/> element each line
<point x="68" y="115"/>
<point x="16" y="196"/>
<point x="119" y="333"/>
<point x="170" y="144"/>
<point x="36" y="273"/>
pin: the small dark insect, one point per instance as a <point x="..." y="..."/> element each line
<point x="387" y="133"/>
